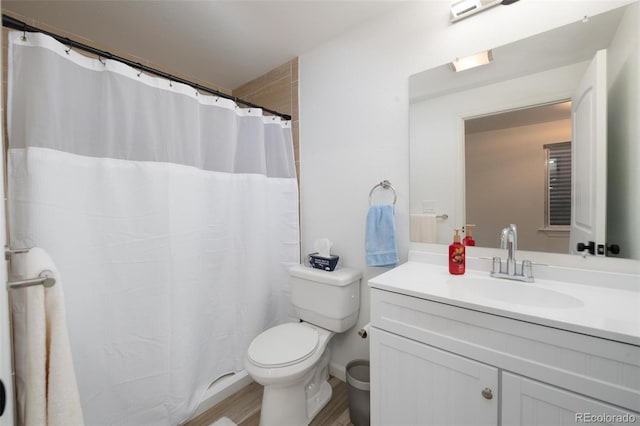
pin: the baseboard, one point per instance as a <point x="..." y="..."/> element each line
<point x="339" y="371"/>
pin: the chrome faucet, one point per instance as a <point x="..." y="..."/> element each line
<point x="509" y="241"/>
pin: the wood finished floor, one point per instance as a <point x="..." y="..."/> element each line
<point x="243" y="407"/>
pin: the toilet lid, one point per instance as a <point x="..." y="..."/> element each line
<point x="283" y="345"/>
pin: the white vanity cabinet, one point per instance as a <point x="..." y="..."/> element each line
<point x="425" y="385"/>
<point x="435" y="363"/>
<point x="528" y="402"/>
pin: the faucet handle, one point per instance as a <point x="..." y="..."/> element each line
<point x="527" y="268"/>
<point x="496" y="266"/>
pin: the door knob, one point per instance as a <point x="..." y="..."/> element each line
<point x="613" y="249"/>
<point x="487" y="394"/>
<point x="590" y="247"/>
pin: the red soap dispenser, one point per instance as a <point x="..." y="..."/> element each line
<point x="468" y="237"/>
<point x="456" y="255"/>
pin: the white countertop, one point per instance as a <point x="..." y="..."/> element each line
<point x="601" y="311"/>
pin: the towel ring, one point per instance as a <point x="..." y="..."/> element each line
<point x="385" y="184"/>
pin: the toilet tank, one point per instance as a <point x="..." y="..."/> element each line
<point x="328" y="299"/>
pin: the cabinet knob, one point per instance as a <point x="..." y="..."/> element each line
<point x="487" y="394"/>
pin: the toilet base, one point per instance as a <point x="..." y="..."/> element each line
<point x="317" y="403"/>
<point x="296" y="404"/>
<point x="286" y="406"/>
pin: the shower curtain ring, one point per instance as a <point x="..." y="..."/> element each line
<point x="67" y="50"/>
<point x="24" y="33"/>
<point x="102" y="61"/>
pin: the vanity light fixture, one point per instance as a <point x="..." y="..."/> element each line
<point x="472" y="61"/>
<point x="463" y="8"/>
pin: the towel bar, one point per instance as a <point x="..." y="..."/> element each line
<point x="385" y="184"/>
<point x="9" y="251"/>
<point x="442" y="216"/>
<point x="45" y="278"/>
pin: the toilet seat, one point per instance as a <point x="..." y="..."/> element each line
<point x="283" y="345"/>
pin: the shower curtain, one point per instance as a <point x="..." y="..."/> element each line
<point x="172" y="217"/>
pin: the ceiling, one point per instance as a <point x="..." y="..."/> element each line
<point x="222" y="42"/>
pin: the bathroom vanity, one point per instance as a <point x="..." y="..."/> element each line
<point x="476" y="350"/>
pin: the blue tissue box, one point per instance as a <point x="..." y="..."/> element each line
<point x="324" y="263"/>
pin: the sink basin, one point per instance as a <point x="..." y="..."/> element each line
<point x="512" y="292"/>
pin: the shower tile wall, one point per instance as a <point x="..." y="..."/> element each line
<point x="277" y="90"/>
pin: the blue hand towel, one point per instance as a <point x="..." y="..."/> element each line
<point x="381" y="236"/>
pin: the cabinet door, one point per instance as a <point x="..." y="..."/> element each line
<point x="416" y="384"/>
<point x="527" y="402"/>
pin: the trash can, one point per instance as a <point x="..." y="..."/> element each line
<point x="358" y="386"/>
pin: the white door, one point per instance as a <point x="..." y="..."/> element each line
<point x="589" y="158"/>
<point x="531" y="403"/>
<point x="416" y="384"/>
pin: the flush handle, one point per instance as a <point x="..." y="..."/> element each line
<point x="487" y="394"/>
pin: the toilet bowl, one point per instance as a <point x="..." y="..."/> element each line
<point x="291" y="360"/>
<point x="294" y="377"/>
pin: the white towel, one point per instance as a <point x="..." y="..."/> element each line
<point x="47" y="391"/>
<point x="224" y="421"/>
<point x="423" y="228"/>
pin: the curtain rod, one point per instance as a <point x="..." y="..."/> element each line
<point x="10" y="22"/>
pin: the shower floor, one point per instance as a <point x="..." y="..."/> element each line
<point x="243" y="407"/>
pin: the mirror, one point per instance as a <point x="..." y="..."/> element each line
<point x="541" y="70"/>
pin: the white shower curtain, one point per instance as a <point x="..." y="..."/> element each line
<point x="171" y="216"/>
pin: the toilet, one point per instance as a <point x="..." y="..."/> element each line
<point x="291" y="360"/>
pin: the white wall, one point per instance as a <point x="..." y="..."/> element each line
<point x="354" y="117"/>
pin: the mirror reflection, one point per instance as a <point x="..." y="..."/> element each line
<point x="532" y="147"/>
<point x="463" y="163"/>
